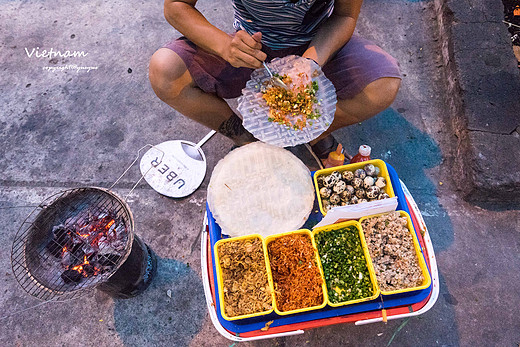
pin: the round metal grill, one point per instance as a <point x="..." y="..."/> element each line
<point x="71" y="242"/>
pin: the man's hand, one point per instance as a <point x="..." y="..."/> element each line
<point x="244" y="50"/>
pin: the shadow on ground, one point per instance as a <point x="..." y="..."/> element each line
<point x="155" y="319"/>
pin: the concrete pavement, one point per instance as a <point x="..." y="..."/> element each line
<point x="61" y="129"/>
<point x="483" y="84"/>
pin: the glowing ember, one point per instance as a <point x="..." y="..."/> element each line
<point x="88" y="246"/>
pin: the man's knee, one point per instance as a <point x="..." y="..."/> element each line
<point x="168" y="74"/>
<point x="382" y="92"/>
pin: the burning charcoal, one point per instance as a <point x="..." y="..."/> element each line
<point x="87" y="249"/>
<point x="66" y="260"/>
<point x="60" y="238"/>
<point x="76" y="255"/>
<point x="71" y="276"/>
<point x="118" y="245"/>
<point x="89" y="270"/>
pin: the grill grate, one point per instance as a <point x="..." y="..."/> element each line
<point x="40" y="260"/>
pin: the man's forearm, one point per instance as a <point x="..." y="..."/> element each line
<point x="332" y="35"/>
<point x="184" y="17"/>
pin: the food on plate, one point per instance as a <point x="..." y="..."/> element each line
<point x="344" y="264"/>
<point x="296" y="107"/>
<point x="391" y="248"/>
<point x="244" y="277"/>
<point x="296" y="276"/>
<point x="309" y="82"/>
<point x="352" y="187"/>
<point x="260" y="189"/>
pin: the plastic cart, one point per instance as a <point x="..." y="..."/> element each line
<point x="381" y="310"/>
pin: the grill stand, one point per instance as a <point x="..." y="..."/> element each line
<point x="134" y="275"/>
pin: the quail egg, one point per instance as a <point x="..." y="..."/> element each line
<point x="362" y="200"/>
<point x="329" y="181"/>
<point x="357" y="182"/>
<point x="325" y="204"/>
<point x="350" y="189"/>
<point x="339" y="187"/>
<point x="346" y="195"/>
<point x="336" y="174"/>
<point x="370" y="169"/>
<point x="377" y="172"/>
<point x="354" y="200"/>
<point x="383" y="196"/>
<point x="381" y="182"/>
<point x="325" y="192"/>
<point x="360" y="193"/>
<point x="368" y="182"/>
<point x="373" y="192"/>
<point x="360" y="173"/>
<point x="334" y="199"/>
<point x="347" y="175"/>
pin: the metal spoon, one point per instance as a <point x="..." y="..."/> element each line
<point x="276" y="80"/>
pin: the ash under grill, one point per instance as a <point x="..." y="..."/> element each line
<point x="78" y="240"/>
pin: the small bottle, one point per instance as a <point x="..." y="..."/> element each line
<point x="336" y="158"/>
<point x="363" y="155"/>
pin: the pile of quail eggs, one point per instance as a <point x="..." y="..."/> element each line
<point x="350" y="188"/>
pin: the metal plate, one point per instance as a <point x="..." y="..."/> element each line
<point x="174" y="174"/>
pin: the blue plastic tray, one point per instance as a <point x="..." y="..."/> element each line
<point x="257" y="323"/>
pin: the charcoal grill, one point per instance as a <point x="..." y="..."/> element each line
<point x="39" y="248"/>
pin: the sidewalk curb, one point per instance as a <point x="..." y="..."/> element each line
<point x="483" y="97"/>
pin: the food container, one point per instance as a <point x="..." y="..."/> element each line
<point x="308" y="233"/>
<point x="353" y="167"/>
<point x="221" y="280"/>
<point x="373" y="281"/>
<point x="422" y="264"/>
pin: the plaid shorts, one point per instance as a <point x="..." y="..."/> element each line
<point x="358" y="63"/>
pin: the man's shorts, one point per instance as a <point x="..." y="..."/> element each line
<point x="354" y="66"/>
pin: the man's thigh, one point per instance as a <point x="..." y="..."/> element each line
<point x="211" y="73"/>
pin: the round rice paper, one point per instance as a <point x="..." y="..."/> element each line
<point x="255" y="111"/>
<point x="260" y="188"/>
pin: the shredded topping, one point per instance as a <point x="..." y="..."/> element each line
<point x="294" y="107"/>
<point x="244" y="274"/>
<point x="297" y="279"/>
